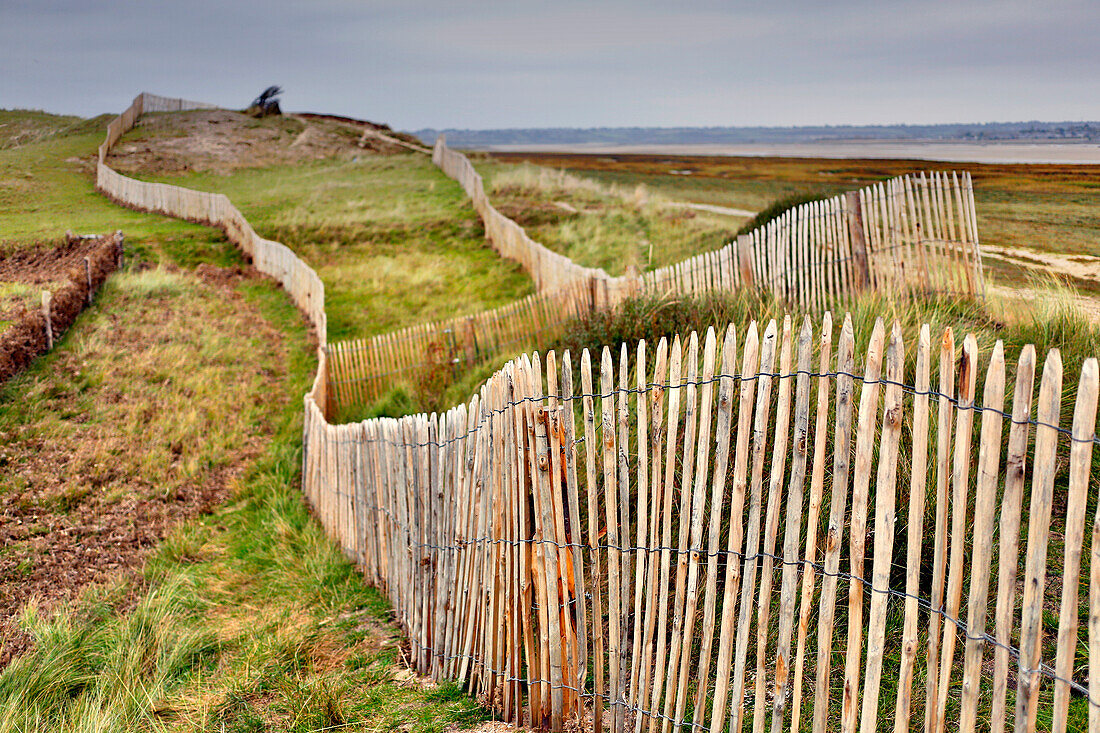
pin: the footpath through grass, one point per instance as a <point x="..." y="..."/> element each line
<point x="247" y="617"/>
<point x="395" y="241"/>
<point x="47" y="186"/>
<point x="153" y="460"/>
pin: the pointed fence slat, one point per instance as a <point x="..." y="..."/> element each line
<point x="474" y="523"/>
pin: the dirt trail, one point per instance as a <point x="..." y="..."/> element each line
<point x="135" y="443"/>
<point x="713" y="209"/>
<point x="1081" y="267"/>
<point x="1084" y="268"/>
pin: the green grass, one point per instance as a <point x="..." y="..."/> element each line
<point x="395" y="241"/>
<point x="611" y="225"/>
<point x="48" y="187"/>
<point x="1048" y="208"/>
<point x="248" y="618"/>
<point x="25" y="126"/>
<point x="244" y="618"/>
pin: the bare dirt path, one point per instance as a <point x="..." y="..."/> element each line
<point x="1084" y="268"/>
<point x="713" y="209"/>
<point x="141" y="419"/>
<point x="1081" y="267"/>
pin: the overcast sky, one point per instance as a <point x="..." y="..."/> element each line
<point x="566" y="63"/>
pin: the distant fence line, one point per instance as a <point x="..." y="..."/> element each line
<point x="907" y="235"/>
<point x="269" y="257"/>
<point x="610" y="552"/>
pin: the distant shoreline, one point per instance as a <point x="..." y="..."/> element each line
<point x="1055" y="153"/>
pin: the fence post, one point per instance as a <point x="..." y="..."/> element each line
<point x="47" y="298"/>
<point x="593" y="295"/>
<point x="88" y="277"/>
<point x="859" y="242"/>
<point x="121" y="248"/>
<point x="744" y="258"/>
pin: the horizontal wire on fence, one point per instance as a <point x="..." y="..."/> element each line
<point x="907" y="388"/>
<point x="1014" y="652"/>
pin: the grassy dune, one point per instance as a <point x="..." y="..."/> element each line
<point x="160" y="569"/>
<point x="1049" y="208"/>
<point x="395" y="241"/>
<point x="614" y="225"/>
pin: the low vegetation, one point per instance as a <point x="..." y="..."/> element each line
<point x="609" y="225"/>
<point x="160" y="568"/>
<point x="243" y="618"/>
<point x="1043" y="208"/>
<point x="395" y="241"/>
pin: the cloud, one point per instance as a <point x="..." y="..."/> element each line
<point x="520" y="63"/>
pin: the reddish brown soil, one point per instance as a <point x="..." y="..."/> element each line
<point x="26" y="337"/>
<point x="76" y="521"/>
<point x="46" y="263"/>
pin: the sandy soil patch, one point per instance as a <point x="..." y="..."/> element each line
<point x="222" y="141"/>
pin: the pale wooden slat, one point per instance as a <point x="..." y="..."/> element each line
<point x="1080" y="465"/>
<point x="1042" y="493"/>
<point x="641" y="562"/>
<point x="752" y="536"/>
<point x="857" y="537"/>
<point x="885" y="498"/>
<point x="946" y="390"/>
<point x="914" y="529"/>
<point x="793" y="528"/>
<point x="656" y="434"/>
<point x="573" y="498"/>
<point x="771" y="523"/>
<point x="687" y="489"/>
<point x="726" y="391"/>
<point x="817" y="488"/>
<point x="696" y="521"/>
<point x="834" y="534"/>
<point x="736" y="528"/>
<point x="985" y="498"/>
<point x="668" y="490"/>
<point x="590" y="449"/>
<point x="1009" y="533"/>
<point x="960" y="528"/>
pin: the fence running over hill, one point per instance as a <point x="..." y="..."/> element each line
<point x="615" y="550"/>
<point x="215" y="209"/>
<point x="911" y="234"/>
<point x="362" y="370"/>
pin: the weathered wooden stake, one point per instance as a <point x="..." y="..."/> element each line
<point x="47" y="299"/>
<point x="88" y="277"/>
<point x="859" y="242"/>
<point x="744" y="258"/>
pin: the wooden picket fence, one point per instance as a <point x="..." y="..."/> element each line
<point x="362" y="370"/>
<point x="269" y="257"/>
<point x="668" y="544"/>
<point x="705" y="535"/>
<point x="910" y="235"/>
